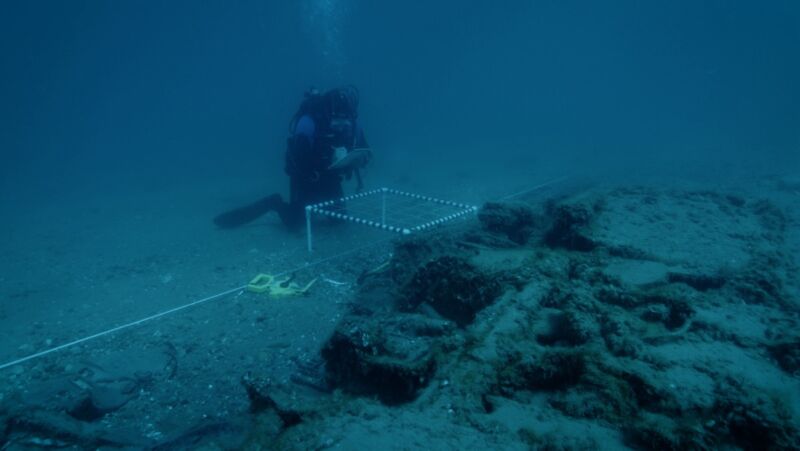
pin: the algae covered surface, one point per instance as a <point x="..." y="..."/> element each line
<point x="616" y="318"/>
<point x="612" y="317"/>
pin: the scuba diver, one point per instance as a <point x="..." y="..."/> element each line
<point x="325" y="145"/>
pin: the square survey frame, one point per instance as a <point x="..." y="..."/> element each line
<point x="390" y="210"/>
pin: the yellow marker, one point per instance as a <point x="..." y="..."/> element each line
<point x="267" y="283"/>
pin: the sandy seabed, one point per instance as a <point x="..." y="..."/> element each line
<point x="645" y="316"/>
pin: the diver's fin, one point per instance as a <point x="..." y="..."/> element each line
<point x="248" y="213"/>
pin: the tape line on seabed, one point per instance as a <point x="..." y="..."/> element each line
<point x="224" y="293"/>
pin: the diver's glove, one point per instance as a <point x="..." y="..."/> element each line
<point x="351" y="159"/>
<point x="338" y="154"/>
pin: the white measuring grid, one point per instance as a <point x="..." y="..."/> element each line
<point x="390" y="210"/>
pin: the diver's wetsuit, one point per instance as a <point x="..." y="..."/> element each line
<point x="310" y="151"/>
<point x="322" y="124"/>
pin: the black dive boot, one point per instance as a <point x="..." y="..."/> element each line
<point x="248" y="213"/>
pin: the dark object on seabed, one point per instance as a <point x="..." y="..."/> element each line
<point x="700" y="282"/>
<point x="515" y="221"/>
<point x="391" y="357"/>
<point x="36" y="429"/>
<point x="570" y="224"/>
<point x="248" y="213"/>
<point x="455" y="288"/>
<point x="261" y="400"/>
<point x="787" y="354"/>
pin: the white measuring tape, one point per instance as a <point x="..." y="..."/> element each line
<point x="177" y="309"/>
<point x="232" y="290"/>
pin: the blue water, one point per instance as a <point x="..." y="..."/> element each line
<point x="103" y="89"/>
<point x="126" y="126"/>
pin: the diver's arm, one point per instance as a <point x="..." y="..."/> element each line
<point x="361" y="140"/>
<point x="299" y="147"/>
<point x="361" y="143"/>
